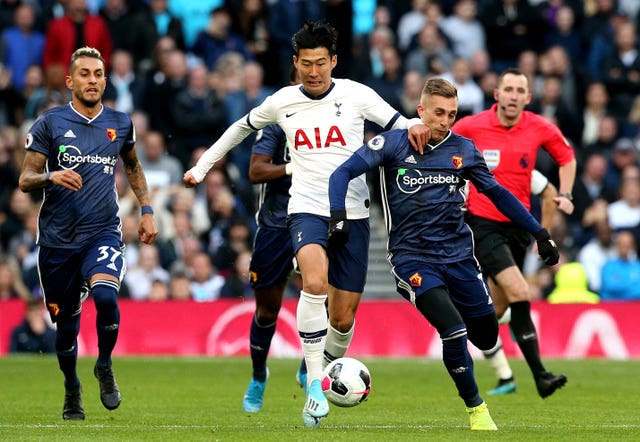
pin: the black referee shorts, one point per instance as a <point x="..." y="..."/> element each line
<point x="498" y="245"/>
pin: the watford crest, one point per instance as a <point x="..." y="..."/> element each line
<point x="111" y="134"/>
<point x="456" y="161"/>
<point x="415" y="280"/>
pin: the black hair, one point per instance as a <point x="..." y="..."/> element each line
<point x="316" y="35"/>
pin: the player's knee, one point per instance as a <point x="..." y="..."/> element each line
<point x="105" y="296"/>
<point x="315" y="284"/>
<point x="483" y="331"/>
<point x="343" y="324"/>
<point x="267" y="314"/>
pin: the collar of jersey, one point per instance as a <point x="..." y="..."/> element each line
<point x="319" y="97"/>
<point x="432" y="147"/>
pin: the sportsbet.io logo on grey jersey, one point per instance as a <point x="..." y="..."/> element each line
<point x="411" y="180"/>
<point x="70" y="157"/>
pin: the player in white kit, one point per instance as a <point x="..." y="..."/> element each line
<point x="323" y="120"/>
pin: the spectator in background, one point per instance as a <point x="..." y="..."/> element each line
<point x="23" y="247"/>
<point x="571" y="286"/>
<point x="624" y="213"/>
<point x="608" y="134"/>
<point x="236" y="239"/>
<point x="470" y="96"/>
<point x="368" y="53"/>
<point x="124" y="90"/>
<point x="53" y="93"/>
<point x="464" y="30"/>
<point x="588" y="188"/>
<point x="511" y="26"/>
<point x="120" y="21"/>
<point x="12" y="102"/>
<point x="197" y="113"/>
<point x="621" y="70"/>
<point x="565" y="33"/>
<point x="621" y="274"/>
<point x="162" y="169"/>
<point x="22" y="45"/>
<point x="250" y="21"/>
<point x="20" y="207"/>
<point x="34" y="334"/>
<point x="179" y="287"/>
<point x="160" y="93"/>
<point x="217" y="39"/>
<point x="389" y="84"/>
<point x="432" y="55"/>
<point x="411" y="22"/>
<point x="206" y="283"/>
<point x="238" y="283"/>
<point x="141" y="277"/>
<point x="77" y="28"/>
<point x="623" y="155"/>
<point x="149" y="25"/>
<point x="597" y="251"/>
<point x="11" y="285"/>
<point x="594" y="110"/>
<point x="412" y="83"/>
<point x="237" y="103"/>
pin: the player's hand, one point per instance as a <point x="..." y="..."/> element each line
<point x="547" y="248"/>
<point x="419" y="135"/>
<point x="147" y="229"/>
<point x="189" y="180"/>
<point x="338" y="229"/>
<point x="67" y="178"/>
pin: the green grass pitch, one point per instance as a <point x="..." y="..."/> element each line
<point x="189" y="399"/>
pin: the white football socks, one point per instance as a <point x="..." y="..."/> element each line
<point x="312" y="322"/>
<point x="498" y="361"/>
<point x="337" y="344"/>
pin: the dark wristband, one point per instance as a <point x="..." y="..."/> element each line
<point x="146" y="210"/>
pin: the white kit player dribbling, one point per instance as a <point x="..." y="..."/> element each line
<point x="323" y="119"/>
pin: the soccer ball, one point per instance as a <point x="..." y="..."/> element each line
<point x="346" y="382"/>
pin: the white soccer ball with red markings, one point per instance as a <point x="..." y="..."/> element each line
<point x="346" y="382"/>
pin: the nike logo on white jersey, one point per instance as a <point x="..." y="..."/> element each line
<point x="69" y="134"/>
<point x="287" y="115"/>
<point x="410" y="159"/>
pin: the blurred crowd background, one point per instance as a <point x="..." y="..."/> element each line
<point x="184" y="70"/>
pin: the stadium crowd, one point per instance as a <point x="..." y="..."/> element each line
<point x="186" y="70"/>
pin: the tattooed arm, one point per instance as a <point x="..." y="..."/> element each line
<point x="33" y="176"/>
<point x="147" y="229"/>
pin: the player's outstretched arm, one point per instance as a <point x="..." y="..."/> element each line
<point x="231" y="137"/>
<point x="33" y="176"/>
<point x="147" y="229"/>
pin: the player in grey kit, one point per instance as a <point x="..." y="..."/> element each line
<point x="72" y="153"/>
<point x="430" y="246"/>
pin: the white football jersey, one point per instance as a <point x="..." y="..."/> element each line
<point x="323" y="132"/>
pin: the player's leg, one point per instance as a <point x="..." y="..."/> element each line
<point x="517" y="291"/>
<point x="496" y="356"/>
<point x="347" y="277"/>
<point x="423" y="285"/>
<point x="308" y="234"/>
<point x="104" y="266"/>
<point x="271" y="263"/>
<point x="61" y="282"/>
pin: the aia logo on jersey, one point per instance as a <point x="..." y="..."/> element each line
<point x="111" y="134"/>
<point x="317" y="140"/>
<point x="53" y="309"/>
<point x="456" y="161"/>
<point x="415" y="280"/>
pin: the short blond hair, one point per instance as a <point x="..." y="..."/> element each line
<point x="85" y="51"/>
<point x="440" y="86"/>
